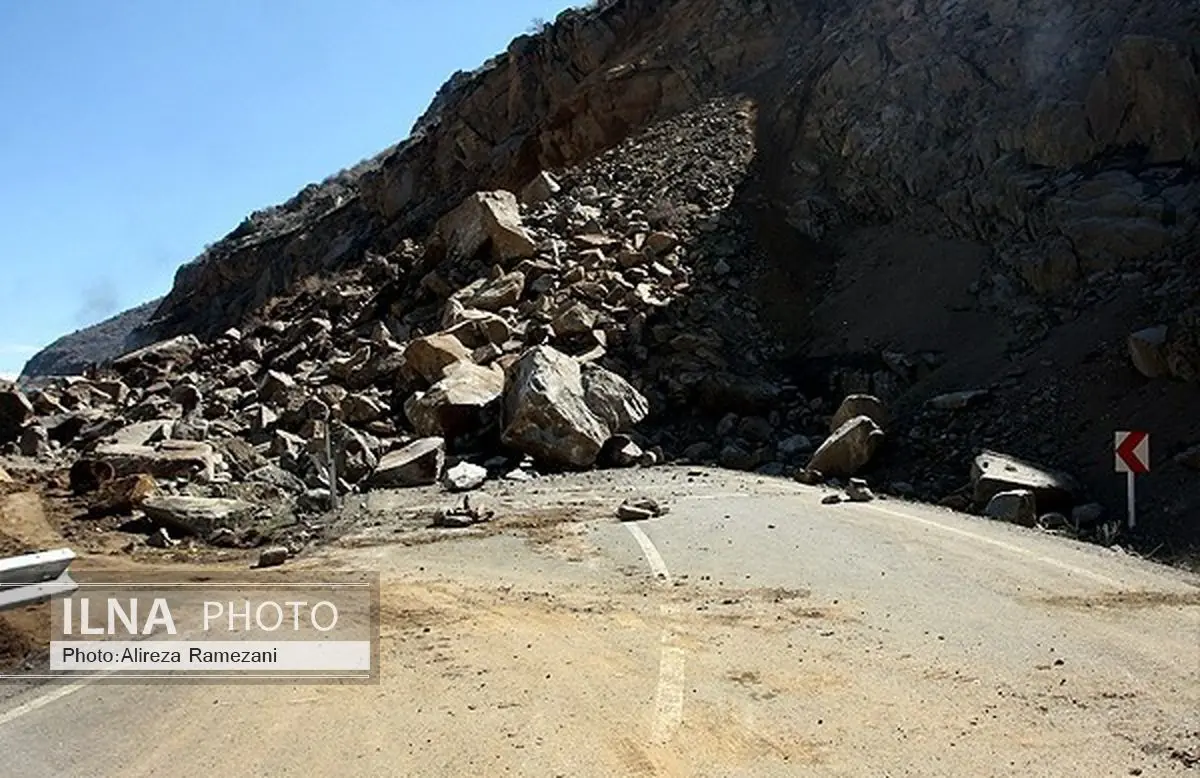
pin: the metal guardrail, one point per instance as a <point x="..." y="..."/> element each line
<point x="32" y="578"/>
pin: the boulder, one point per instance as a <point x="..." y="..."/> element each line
<point x="993" y="472"/>
<point x="486" y="218"/>
<point x="15" y="410"/>
<point x="540" y="189"/>
<point x="362" y="409"/>
<point x="621" y="451"/>
<point x="464" y="477"/>
<point x="1148" y="351"/>
<point x="123" y="495"/>
<point x="475" y="328"/>
<point x="860" y="405"/>
<point x="466" y="400"/>
<point x="175" y="352"/>
<point x="274" y="385"/>
<point x="1016" y="506"/>
<point x="661" y="242"/>
<point x="273" y="556"/>
<point x="576" y="319"/>
<point x="199" y="516"/>
<point x="35" y="441"/>
<point x="170" y="459"/>
<point x="276" y="476"/>
<point x="858" y="491"/>
<point x="848" y="449"/>
<point x="612" y="399"/>
<point x="419" y="463"/>
<point x="429" y="356"/>
<point x="241" y="457"/>
<point x="562" y="413"/>
<point x="5" y="478"/>
<point x="143" y="433"/>
<point x="494" y="293"/>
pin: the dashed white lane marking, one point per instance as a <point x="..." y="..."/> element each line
<point x="1000" y="544"/>
<point x="653" y="558"/>
<point x="41" y="702"/>
<point x="668" y="697"/>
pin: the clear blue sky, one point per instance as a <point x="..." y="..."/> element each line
<point x="136" y="131"/>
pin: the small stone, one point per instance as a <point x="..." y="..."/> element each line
<point x="1016" y="506"/>
<point x="160" y="539"/>
<point x="831" y="499"/>
<point x="810" y="477"/>
<point x="273" y="556"/>
<point x="640" y="509"/>
<point x="858" y="491"/>
<point x="464" y="477"/>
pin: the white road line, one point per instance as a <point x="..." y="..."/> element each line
<point x="1000" y="544"/>
<point x="41" y="702"/>
<point x="668" y="696"/>
<point x="653" y="558"/>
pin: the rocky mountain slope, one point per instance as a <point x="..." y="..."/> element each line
<point x="963" y="209"/>
<point x="71" y="354"/>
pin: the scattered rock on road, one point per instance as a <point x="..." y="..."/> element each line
<point x="464" y="515"/>
<point x="860" y="405"/>
<point x="464" y="477"/>
<point x="199" y="516"/>
<point x="1016" y="506"/>
<point x="419" y="463"/>
<point x="273" y="556"/>
<point x="993" y="472"/>
<point x="858" y="491"/>
<point x="848" y="449"/>
<point x="640" y="509"/>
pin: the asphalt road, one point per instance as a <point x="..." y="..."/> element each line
<point x="750" y="631"/>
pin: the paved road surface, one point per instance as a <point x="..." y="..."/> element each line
<point x="748" y="632"/>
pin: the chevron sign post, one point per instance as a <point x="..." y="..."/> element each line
<point x="1132" y="456"/>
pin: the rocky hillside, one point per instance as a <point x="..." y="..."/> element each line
<point x="71" y="354"/>
<point x="963" y="210"/>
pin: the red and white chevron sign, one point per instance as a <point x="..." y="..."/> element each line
<point x="1132" y="450"/>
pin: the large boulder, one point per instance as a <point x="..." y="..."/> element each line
<point x="848" y="449"/>
<point x="475" y="328"/>
<point x="860" y="405"/>
<point x="993" y="473"/>
<point x="492" y="294"/>
<point x="169" y="459"/>
<point x="429" y="356"/>
<point x="199" y="516"/>
<point x="612" y="399"/>
<point x="15" y="410"/>
<point x="175" y="352"/>
<point x="466" y="400"/>
<point x="123" y="495"/>
<point x="561" y="413"/>
<point x="419" y="463"/>
<point x="1148" y="351"/>
<point x="482" y="218"/>
<point x="1016" y="506"/>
